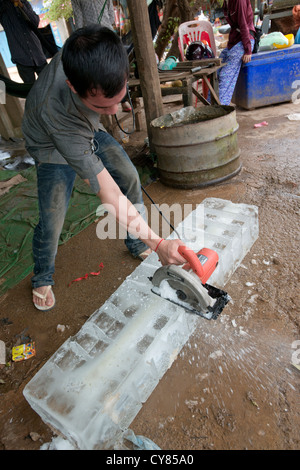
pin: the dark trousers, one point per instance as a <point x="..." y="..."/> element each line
<point x="27" y="72"/>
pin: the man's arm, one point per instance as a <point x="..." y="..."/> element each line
<point x="244" y="28"/>
<point x="128" y="217"/>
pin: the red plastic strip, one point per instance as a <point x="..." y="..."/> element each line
<point x="101" y="266"/>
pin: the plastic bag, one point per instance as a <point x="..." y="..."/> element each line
<point x="129" y="441"/>
<point x="168" y="64"/>
<point x="267" y="42"/>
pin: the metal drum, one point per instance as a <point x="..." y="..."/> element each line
<point x="196" y="147"/>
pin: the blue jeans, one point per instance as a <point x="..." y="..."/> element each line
<point x="55" y="183"/>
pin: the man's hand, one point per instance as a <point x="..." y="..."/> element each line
<point x="168" y="252"/>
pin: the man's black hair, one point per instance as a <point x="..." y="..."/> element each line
<point x="94" y="58"/>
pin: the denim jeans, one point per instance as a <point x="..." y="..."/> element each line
<point x="55" y="183"/>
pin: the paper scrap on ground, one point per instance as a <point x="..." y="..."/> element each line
<point x="294" y="117"/>
<point x="2" y="353"/>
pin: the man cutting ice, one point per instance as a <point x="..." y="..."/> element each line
<point x="88" y="77"/>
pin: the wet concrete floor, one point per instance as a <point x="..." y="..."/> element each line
<point x="233" y="386"/>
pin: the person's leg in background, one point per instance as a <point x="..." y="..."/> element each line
<point x="228" y="74"/>
<point x="39" y="68"/>
<point x="27" y="72"/>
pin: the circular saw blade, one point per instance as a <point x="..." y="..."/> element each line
<point x="187" y="289"/>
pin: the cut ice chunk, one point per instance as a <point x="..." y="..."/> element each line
<point x="60" y="404"/>
<point x="101" y="434"/>
<point x="144" y="379"/>
<point x="92" y="340"/>
<point x="142" y="274"/>
<point x="91" y="389"/>
<point x="160" y="322"/>
<point x="122" y="405"/>
<point x="43" y="383"/>
<point x="130" y="299"/>
<point x="144" y="343"/>
<point x="114" y="329"/>
<point x="70" y="357"/>
<point x="212" y="203"/>
<point x="104" y="321"/>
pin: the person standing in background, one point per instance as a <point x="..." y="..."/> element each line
<point x="87" y="12"/>
<point x="25" y="47"/>
<point x="153" y="7"/>
<point x="296" y="17"/>
<point x="239" y="15"/>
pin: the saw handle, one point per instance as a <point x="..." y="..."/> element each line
<point x="194" y="263"/>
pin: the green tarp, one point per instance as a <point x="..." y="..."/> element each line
<point x="19" y="216"/>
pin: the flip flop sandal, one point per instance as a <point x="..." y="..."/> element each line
<point x="45" y="308"/>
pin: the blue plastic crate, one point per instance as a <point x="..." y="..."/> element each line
<point x="271" y="77"/>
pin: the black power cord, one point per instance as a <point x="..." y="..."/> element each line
<point x="128" y="133"/>
<point x="133" y="115"/>
<point x="162" y="215"/>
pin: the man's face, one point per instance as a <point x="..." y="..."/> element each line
<point x="101" y="104"/>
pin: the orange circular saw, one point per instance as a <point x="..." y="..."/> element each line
<point x="187" y="285"/>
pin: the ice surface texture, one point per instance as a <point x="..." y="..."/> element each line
<point x="92" y="388"/>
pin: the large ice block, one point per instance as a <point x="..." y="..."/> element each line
<point x="92" y="388"/>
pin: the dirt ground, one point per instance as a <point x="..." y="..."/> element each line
<point x="233" y="386"/>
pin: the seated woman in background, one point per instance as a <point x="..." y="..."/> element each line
<point x="296" y="15"/>
<point x="239" y="15"/>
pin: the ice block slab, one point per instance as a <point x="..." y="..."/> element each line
<point x="92" y="388"/>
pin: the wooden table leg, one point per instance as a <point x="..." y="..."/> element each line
<point x="215" y="83"/>
<point x="214" y="96"/>
<point x="187" y="95"/>
<point x="136" y="103"/>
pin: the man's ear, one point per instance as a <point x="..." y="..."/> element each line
<point x="71" y="86"/>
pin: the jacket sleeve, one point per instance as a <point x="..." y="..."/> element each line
<point x="30" y="13"/>
<point x="77" y="13"/>
<point x="111" y="12"/>
<point x="243" y="25"/>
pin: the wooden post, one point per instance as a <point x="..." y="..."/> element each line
<point x="146" y="61"/>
